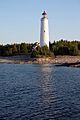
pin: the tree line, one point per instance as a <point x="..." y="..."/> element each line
<point x="61" y="47"/>
<point x="64" y="47"/>
<point x="15" y="49"/>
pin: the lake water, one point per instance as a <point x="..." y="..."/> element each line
<point x="39" y="92"/>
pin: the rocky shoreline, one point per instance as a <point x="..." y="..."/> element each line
<point x="60" y="60"/>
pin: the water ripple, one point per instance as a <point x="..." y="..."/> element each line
<point x="39" y="92"/>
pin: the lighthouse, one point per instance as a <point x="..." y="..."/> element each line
<point x="44" y="32"/>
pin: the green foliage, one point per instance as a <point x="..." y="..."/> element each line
<point x="15" y="49"/>
<point x="23" y="48"/>
<point x="61" y="47"/>
<point x="64" y="47"/>
<point x="35" y="53"/>
<point x="45" y="51"/>
<point x="41" y="51"/>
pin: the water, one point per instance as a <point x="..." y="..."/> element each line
<point x="39" y="92"/>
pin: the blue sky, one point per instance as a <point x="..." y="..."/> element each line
<point x="20" y="20"/>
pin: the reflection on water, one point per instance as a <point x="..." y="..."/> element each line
<point x="45" y="83"/>
<point x="38" y="92"/>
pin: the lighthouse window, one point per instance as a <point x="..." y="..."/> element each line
<point x="44" y="30"/>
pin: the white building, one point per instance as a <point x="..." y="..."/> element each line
<point x="44" y="33"/>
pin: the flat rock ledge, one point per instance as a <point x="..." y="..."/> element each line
<point x="60" y="60"/>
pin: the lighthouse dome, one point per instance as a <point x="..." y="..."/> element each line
<point x="44" y="13"/>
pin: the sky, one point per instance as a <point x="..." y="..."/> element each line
<point x="20" y="20"/>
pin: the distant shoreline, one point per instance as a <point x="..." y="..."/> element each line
<point x="23" y="59"/>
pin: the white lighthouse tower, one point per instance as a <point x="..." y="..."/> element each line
<point x="44" y="33"/>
